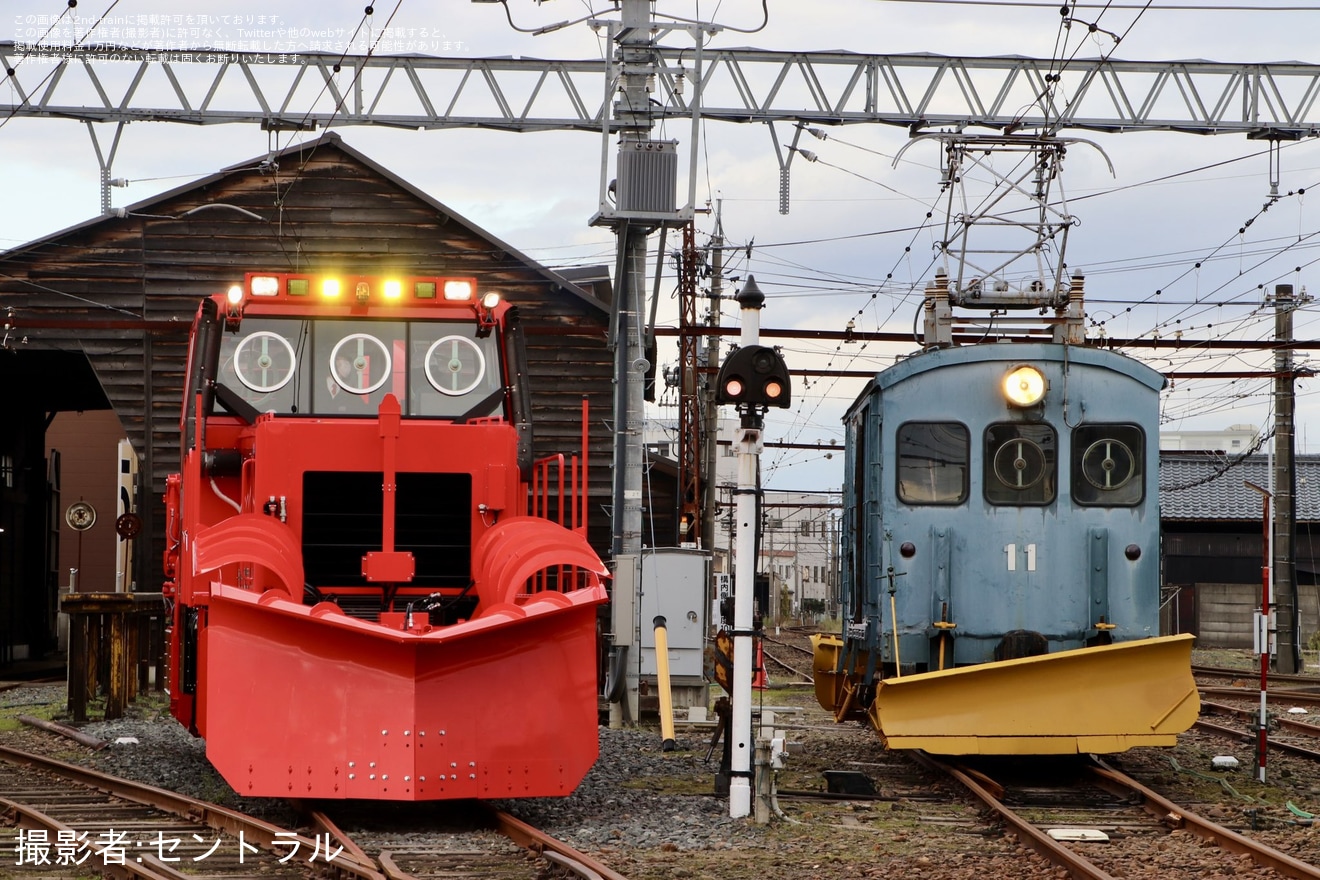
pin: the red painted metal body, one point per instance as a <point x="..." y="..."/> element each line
<point x="377" y="594"/>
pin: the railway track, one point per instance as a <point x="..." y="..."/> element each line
<point x="62" y="818"/>
<point x="1253" y="676"/>
<point x="65" y="817"/>
<point x="452" y="841"/>
<point x="1097" y="823"/>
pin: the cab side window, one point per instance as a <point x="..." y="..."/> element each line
<point x="933" y="462"/>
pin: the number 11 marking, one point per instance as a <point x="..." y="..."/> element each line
<point x="1010" y="550"/>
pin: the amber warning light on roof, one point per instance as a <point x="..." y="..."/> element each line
<point x="330" y="288"/>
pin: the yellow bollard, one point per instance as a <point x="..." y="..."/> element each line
<point x="662" y="673"/>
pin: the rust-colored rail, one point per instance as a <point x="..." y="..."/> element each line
<point x="1253" y="675"/>
<point x="1304" y="698"/>
<point x="1167" y="812"/>
<point x="556" y="851"/>
<point x="1225" y="839"/>
<point x="256" y="831"/>
<point x="990" y="793"/>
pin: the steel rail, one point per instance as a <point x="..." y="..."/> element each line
<point x="324" y="824"/>
<point x="1306" y="698"/>
<point x="211" y="815"/>
<point x="989" y="793"/>
<point x="1253" y="714"/>
<point x="1233" y="732"/>
<point x="1225" y="839"/>
<point x="556" y="851"/>
<point x="146" y="867"/>
<point x="1253" y="674"/>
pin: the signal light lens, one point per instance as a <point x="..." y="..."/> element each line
<point x="362" y="291"/>
<point x="298" y="286"/>
<point x="424" y="290"/>
<point x="330" y="288"/>
<point x="734" y="388"/>
<point x="265" y="285"/>
<point x="458" y="290"/>
<point x="1024" y="386"/>
<point x="773" y="390"/>
<point x="393" y="289"/>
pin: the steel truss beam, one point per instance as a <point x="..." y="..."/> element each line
<point x="921" y="92"/>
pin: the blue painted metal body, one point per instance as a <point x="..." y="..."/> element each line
<point x="976" y="528"/>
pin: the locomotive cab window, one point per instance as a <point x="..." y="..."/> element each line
<point x="346" y="367"/>
<point x="933" y="462"/>
<point x="1020" y="464"/>
<point x="1108" y="465"/>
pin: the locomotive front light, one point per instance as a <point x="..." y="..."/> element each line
<point x="330" y="288"/>
<point x="362" y="291"/>
<point x="235" y="296"/>
<point x="392" y="289"/>
<point x="1024" y="386"/>
<point x="264" y="285"/>
<point x="458" y="290"/>
<point x="490" y="300"/>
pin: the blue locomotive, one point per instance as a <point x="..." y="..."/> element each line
<point x="1001" y="550"/>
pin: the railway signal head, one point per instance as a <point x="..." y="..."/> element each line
<point x="754" y="376"/>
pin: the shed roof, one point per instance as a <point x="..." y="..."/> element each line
<point x="1210" y="487"/>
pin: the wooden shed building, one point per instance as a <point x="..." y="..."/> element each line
<point x="1214" y="545"/>
<point x="97" y="316"/>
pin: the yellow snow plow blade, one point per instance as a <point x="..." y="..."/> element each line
<point x="1104" y="699"/>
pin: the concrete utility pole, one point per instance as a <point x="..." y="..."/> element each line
<point x="640" y="199"/>
<point x="1285" y="499"/>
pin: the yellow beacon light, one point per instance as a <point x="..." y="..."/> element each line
<point x="1024" y="386"/>
<point x="392" y="289"/>
<point x="330" y="288"/>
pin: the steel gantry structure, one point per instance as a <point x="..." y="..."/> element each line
<point x="917" y="91"/>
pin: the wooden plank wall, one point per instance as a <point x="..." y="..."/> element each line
<point x="131" y="286"/>
<point x="1224" y="612"/>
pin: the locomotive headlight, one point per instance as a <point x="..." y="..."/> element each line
<point x="1024" y="386"/>
<point x="235" y="296"/>
<point x="490" y="300"/>
<point x="393" y="289"/>
<point x="458" y="290"/>
<point x="264" y="285"/>
<point x="330" y="288"/>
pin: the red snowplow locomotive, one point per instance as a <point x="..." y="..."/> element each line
<point x="376" y="591"/>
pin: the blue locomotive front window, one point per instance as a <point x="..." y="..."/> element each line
<point x="932" y="462"/>
<point x="1021" y="466"/>
<point x="1108" y="465"/>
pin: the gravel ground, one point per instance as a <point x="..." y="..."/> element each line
<point x="653" y="814"/>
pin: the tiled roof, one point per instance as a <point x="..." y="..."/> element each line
<point x="1206" y="486"/>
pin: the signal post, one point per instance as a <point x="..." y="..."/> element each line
<point x="753" y="378"/>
